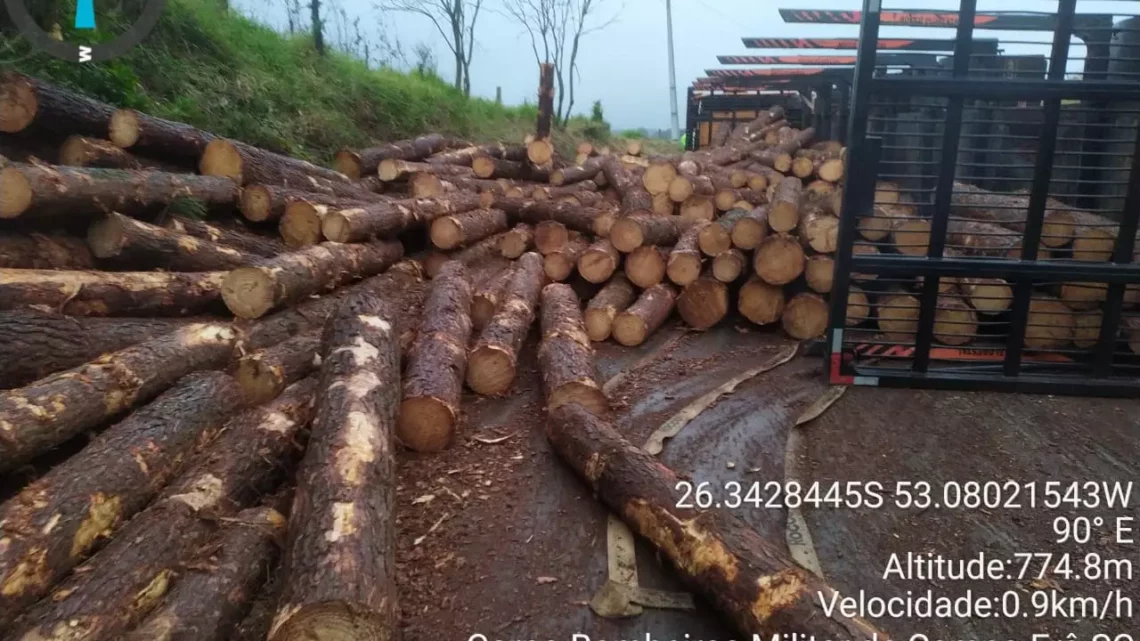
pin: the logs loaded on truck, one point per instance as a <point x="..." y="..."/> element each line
<point x="228" y="346"/>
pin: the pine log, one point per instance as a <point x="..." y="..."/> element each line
<point x="250" y="292"/>
<point x="571" y="175"/>
<point x="87" y="293"/>
<point x="637" y="323"/>
<point x="58" y="520"/>
<point x="1086" y="328"/>
<point x="898" y="316"/>
<point x="265" y="374"/>
<point x="339" y="559"/>
<point x="762" y="120"/>
<point x="615" y="297"/>
<point x="170" y="141"/>
<point x="210" y="599"/>
<point x="388" y="219"/>
<point x="1012" y="211"/>
<point x="717" y="237"/>
<point x="517" y="241"/>
<point x="134" y="243"/>
<point x="784" y="211"/>
<point x="634" y="198"/>
<point x="1082" y="296"/>
<point x="43" y="251"/>
<point x="647" y="266"/>
<point x="1094" y="237"/>
<point x="481" y="252"/>
<point x="1050" y="324"/>
<point x="818" y="230"/>
<point x="858" y="306"/>
<point x="974" y="238"/>
<point x="728" y="265"/>
<point x="550" y="236"/>
<point x="684" y="264"/>
<point x="752" y="582"/>
<point x="955" y="321"/>
<point x="52" y="410"/>
<point x="727" y="199"/>
<point x="486" y="297"/>
<point x="805" y="316"/>
<point x="364" y="162"/>
<point x="604" y="224"/>
<point x="248" y="165"/>
<point x="465" y="228"/>
<point x="698" y="208"/>
<point x="40" y="191"/>
<point x="751" y="229"/>
<point x="25" y="101"/>
<point x="579" y="218"/>
<point x="779" y="259"/>
<point x="681" y="188"/>
<point x="81" y="151"/>
<point x="987" y="295"/>
<point x="877" y="226"/>
<point x="489" y="167"/>
<point x="256" y="623"/>
<point x="492" y="361"/>
<point x="233" y="236"/>
<point x="559" y="264"/>
<point x="819" y="271"/>
<point x="631" y="232"/>
<point x="704" y="302"/>
<point x="565" y="356"/>
<point x="658" y="176"/>
<point x="392" y="170"/>
<point x="436" y="364"/>
<point x="760" y="302"/>
<point x="466" y="156"/>
<point x="260" y="203"/>
<point x="599" y="262"/>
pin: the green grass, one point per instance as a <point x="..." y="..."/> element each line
<point x="233" y="77"/>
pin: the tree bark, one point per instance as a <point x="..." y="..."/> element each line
<point x="53" y="110"/>
<point x="819" y="230"/>
<point x="614" y="298"/>
<point x="392" y="170"/>
<point x="565" y="356"/>
<point x="250" y="292"/>
<point x="467" y="155"/>
<point x="388" y="219"/>
<point x="805" y="316"/>
<point x="631" y="232"/>
<point x="559" y="264"/>
<point x="748" y="579"/>
<point x="599" y="262"/>
<point x="716" y="238"/>
<point x="43" y="251"/>
<point x="43" y="192"/>
<point x="239" y="239"/>
<point x="684" y="264"/>
<point x="58" y="520"/>
<point x="133" y="243"/>
<point x="728" y="265"/>
<point x="339" y="559"/>
<point x="1012" y="211"/>
<point x="634" y="198"/>
<point x="540" y="150"/>
<point x="518" y="241"/>
<point x="760" y="302"/>
<point x="751" y="229"/>
<point x="486" y="297"/>
<point x="637" y="323"/>
<point x="462" y="229"/>
<point x="364" y="162"/>
<point x="249" y="165"/>
<point x="579" y="218"/>
<point x="704" y="302"/>
<point x="81" y="151"/>
<point x="437" y="361"/>
<point x="261" y="203"/>
<point x="265" y="374"/>
<point x="492" y="361"/>
<point x="579" y="173"/>
<point x="779" y="259"/>
<point x="486" y="250"/>
<point x="86" y="293"/>
<point x="784" y="211"/>
<point x="490" y="167"/>
<point x="170" y="141"/>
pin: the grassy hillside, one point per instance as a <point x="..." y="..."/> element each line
<point x="236" y="78"/>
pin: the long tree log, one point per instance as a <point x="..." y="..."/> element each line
<point x="58" y="520"/>
<point x="81" y="151"/>
<point x="1012" y="211"/>
<point x="487" y="296"/>
<point x="359" y="163"/>
<point x="133" y="243"/>
<point x="232" y="236"/>
<point x="50" y="411"/>
<point x="467" y="155"/>
<point x="631" y="232"/>
<point x="43" y="251"/>
<point x="261" y="203"/>
<point x="248" y="165"/>
<point x="490" y="167"/>
<point x="603" y="308"/>
<point x="492" y="362"/>
<point x="339" y="559"/>
<point x="518" y="241"/>
<point x="760" y="302"/>
<point x="437" y="362"/>
<point x="40" y="191"/>
<point x="684" y="264"/>
<point x="250" y="292"/>
<point x="167" y="140"/>
<point x="387" y="219"/>
<point x="576" y="217"/>
<point x="784" y="211"/>
<point x="634" y="198"/>
<point x="571" y="175"/>
<point x="484" y="251"/>
<point x="748" y="579"/>
<point x="565" y="356"/>
<point x="779" y="259"/>
<point x="599" y="262"/>
<point x="638" y="322"/>
<point x="462" y="229"/>
<point x="85" y="293"/>
<point x="704" y="302"/>
<point x="265" y="374"/>
<point x="25" y="101"/>
<point x="118" y="586"/>
<point x="392" y="170"/>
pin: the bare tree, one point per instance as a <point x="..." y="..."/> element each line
<point x="455" y="20"/>
<point x="318" y="26"/>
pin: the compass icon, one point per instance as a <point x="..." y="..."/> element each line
<point x="85" y="20"/>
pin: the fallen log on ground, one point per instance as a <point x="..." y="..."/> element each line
<point x="265" y="374"/>
<point x="684" y="264"/>
<point x="436" y="364"/>
<point x="166" y="140"/>
<point x="133" y="243"/>
<point x="250" y="292"/>
<point x="387" y="219"/>
<point x="43" y="251"/>
<point x="760" y="302"/>
<point x="599" y="261"/>
<point x="339" y="559"/>
<point x="88" y="293"/>
<point x="748" y="579"/>
<point x="565" y="356"/>
<point x="779" y="259"/>
<point x="27" y="101"/>
<point x="647" y="266"/>
<point x="518" y="241"/>
<point x="492" y="361"/>
<point x="232" y="236"/>
<point x="465" y="228"/>
<point x="41" y="191"/>
<point x="614" y="298"/>
<point x="638" y="322"/>
<point x="56" y="521"/>
<point x="364" y="162"/>
<point x="704" y="302"/>
<point x="248" y="165"/>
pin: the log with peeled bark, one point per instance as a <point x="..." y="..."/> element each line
<point x="955" y="321"/>
<point x="58" y="520"/>
<point x="437" y="361"/>
<point x="760" y="302"/>
<point x="646" y="266"/>
<point x="579" y="173"/>
<point x="52" y="410"/>
<point x="387" y="219"/>
<point x="266" y="373"/>
<point x="634" y="197"/>
<point x="818" y="229"/>
<point x="728" y="265"/>
<point x="339" y="560"/>
<point x="659" y="176"/>
<point x="487" y="295"/>
<point x="617" y="295"/>
<point x="89" y="293"/>
<point x="518" y="241"/>
<point x="630" y="232"/>
<point x="43" y="251"/>
<point x="359" y="163"/>
<point x="210" y="598"/>
<point x="41" y="191"/>
<point x="704" y="302"/>
<point x="805" y="316"/>
<point x="898" y="316"/>
<point x="132" y="243"/>
<point x="489" y="167"/>
<point x="81" y="151"/>
<point x="250" y="292"/>
<point x="550" y="236"/>
<point x="392" y="170"/>
<point x="599" y="261"/>
<point x="637" y="323"/>
<point x="819" y="272"/>
<point x="565" y="356"/>
<point x="751" y="229"/>
<point x="858" y="306"/>
<point x="248" y="165"/>
<point x="684" y="264"/>
<point x="486" y="250"/>
<point x="1011" y="211"/>
<point x="492" y="361"/>
<point x="463" y="229"/>
<point x="779" y="259"/>
<point x="784" y="210"/>
<point x="25" y="101"/>
<point x="167" y="140"/>
<point x="748" y="579"/>
<point x="717" y="237"/>
<point x="1050" y="324"/>
<point x="559" y="264"/>
<point x="231" y="236"/>
<point x="698" y="208"/>
<point x="119" y="585"/>
<point x="987" y="295"/>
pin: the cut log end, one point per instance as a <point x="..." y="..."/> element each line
<point x="301" y="224"/>
<point x="18" y="105"/>
<point x="221" y="158"/>
<point x="258" y="382"/>
<point x="703" y="304"/>
<point x="683" y="269"/>
<point x="106" y="237"/>
<point x="333" y="621"/>
<point x="348" y="163"/>
<point x="388" y="170"/>
<point x="626" y="235"/>
<point x="858" y="307"/>
<point x="760" y="302"/>
<point x="16" y="193"/>
<point x="599" y="323"/>
<point x="728" y="265"/>
<point x="629" y="330"/>
<point x="256" y="203"/>
<point x="248" y="292"/>
<point x="426" y="424"/>
<point x="490" y="370"/>
<point x="335" y="227"/>
<point x="124" y="128"/>
<point x="584" y="393"/>
<point x="540" y="151"/>
<point x="446" y="233"/>
<point x="558" y="266"/>
<point x="955" y="322"/>
<point x="805" y="316"/>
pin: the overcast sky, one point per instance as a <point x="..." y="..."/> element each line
<point x="626" y="65"/>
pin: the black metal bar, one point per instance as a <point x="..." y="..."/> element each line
<point x="1006" y="88"/>
<point x="1024" y="383"/>
<point x="1054" y="270"/>
<point x="1122" y="255"/>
